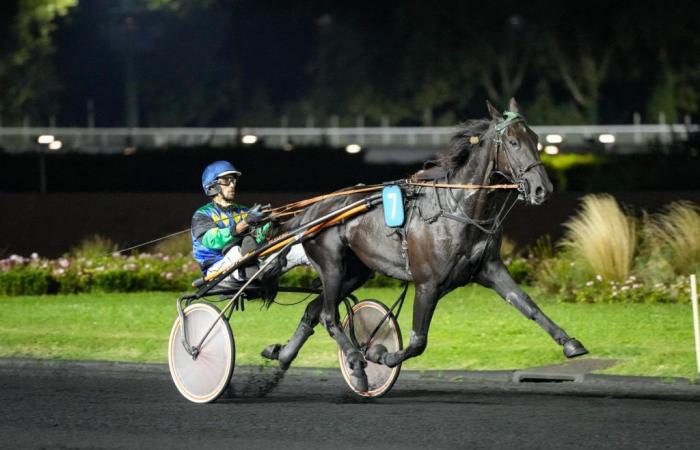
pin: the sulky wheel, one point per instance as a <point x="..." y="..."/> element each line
<point x="204" y="378"/>
<point x="367" y="314"/>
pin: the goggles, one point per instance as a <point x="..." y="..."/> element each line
<point x="227" y="180"/>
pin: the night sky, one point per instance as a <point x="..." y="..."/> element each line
<point x="247" y="62"/>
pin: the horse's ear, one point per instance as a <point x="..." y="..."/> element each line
<point x="513" y="106"/>
<point x="495" y="115"/>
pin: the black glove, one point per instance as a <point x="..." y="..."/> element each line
<point x="255" y="216"/>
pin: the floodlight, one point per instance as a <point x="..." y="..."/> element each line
<point x="551" y="150"/>
<point x="249" y="139"/>
<point x="353" y="148"/>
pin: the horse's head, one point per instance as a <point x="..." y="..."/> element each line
<point x="516" y="155"/>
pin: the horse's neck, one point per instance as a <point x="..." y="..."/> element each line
<point x="476" y="170"/>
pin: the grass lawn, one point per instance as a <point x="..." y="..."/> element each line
<point x="472" y="329"/>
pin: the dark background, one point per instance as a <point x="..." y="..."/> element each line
<point x="250" y="62"/>
<point x="235" y="63"/>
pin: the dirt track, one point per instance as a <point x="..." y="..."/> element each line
<point x="85" y="407"/>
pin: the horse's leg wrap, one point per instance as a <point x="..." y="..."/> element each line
<point x="291" y="349"/>
<point x="286" y="353"/>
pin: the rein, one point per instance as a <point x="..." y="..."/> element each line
<point x="297" y="207"/>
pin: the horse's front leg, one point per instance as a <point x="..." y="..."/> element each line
<point x="495" y="275"/>
<point x="423" y="308"/>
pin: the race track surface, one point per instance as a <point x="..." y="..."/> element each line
<point x="73" y="406"/>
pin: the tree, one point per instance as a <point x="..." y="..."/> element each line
<point x="26" y="72"/>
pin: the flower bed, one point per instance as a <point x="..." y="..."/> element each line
<point x="115" y="273"/>
<point x="611" y="256"/>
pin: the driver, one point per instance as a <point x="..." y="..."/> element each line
<point x="218" y="228"/>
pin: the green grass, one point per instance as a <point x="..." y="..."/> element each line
<point x="472" y="329"/>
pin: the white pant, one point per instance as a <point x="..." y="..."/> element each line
<point x="295" y="257"/>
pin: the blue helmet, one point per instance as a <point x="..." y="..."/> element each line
<point x="214" y="171"/>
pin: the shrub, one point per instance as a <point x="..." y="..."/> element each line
<point x="602" y="236"/>
<point x="631" y="290"/>
<point x="25" y="282"/>
<point x="69" y="275"/>
<point x="520" y="269"/>
<point x="509" y="248"/>
<point x="298" y="277"/>
<point x="178" y="245"/>
<point x="95" y="246"/>
<point x="676" y="232"/>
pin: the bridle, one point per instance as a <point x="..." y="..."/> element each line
<point x="515" y="177"/>
<point x="493" y="224"/>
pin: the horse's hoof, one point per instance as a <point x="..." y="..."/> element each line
<point x="376" y="353"/>
<point x="573" y="348"/>
<point x="358" y="378"/>
<point x="271" y="351"/>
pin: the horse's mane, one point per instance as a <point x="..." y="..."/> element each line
<point x="460" y="146"/>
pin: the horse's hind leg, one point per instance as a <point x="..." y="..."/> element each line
<point x="495" y="275"/>
<point x="356" y="275"/>
<point x="336" y="266"/>
<point x="286" y="353"/>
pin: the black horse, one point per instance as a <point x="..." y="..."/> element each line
<point x="451" y="238"/>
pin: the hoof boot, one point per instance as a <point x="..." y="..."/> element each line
<point x="271" y="351"/>
<point x="573" y="348"/>
<point x="359" y="380"/>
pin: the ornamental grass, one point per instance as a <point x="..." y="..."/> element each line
<point x="674" y="237"/>
<point x="603" y="237"/>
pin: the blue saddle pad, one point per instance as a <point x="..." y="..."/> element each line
<point x="392" y="200"/>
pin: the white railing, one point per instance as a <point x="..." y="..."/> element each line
<point x="627" y="138"/>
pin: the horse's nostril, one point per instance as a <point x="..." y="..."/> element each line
<point x="539" y="192"/>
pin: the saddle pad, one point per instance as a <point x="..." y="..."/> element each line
<point x="392" y="201"/>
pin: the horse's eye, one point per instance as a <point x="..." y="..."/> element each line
<point x="513" y="143"/>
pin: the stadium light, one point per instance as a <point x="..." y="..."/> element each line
<point x="55" y="145"/>
<point x="353" y="148"/>
<point x="45" y="139"/>
<point x="551" y="150"/>
<point x="554" y="138"/>
<point x="607" y="138"/>
<point x="539" y="146"/>
<point x="249" y="139"/>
